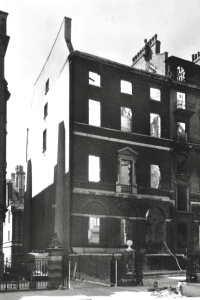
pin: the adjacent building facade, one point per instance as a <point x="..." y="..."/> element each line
<point x="113" y="152"/>
<point x="13" y="224"/>
<point x="4" y="96"/>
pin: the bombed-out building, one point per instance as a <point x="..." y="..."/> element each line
<point x="114" y="152"/>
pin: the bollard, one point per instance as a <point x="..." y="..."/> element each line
<point x="69" y="276"/>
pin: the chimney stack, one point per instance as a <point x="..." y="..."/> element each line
<point x="20" y="180"/>
<point x="3" y="19"/>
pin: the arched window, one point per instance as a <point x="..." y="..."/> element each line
<point x="155" y="227"/>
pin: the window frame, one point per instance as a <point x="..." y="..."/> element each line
<point x="159" y="177"/>
<point x="91" y="81"/>
<point x="179" y="106"/>
<point x="159" y="125"/>
<point x="155" y="88"/>
<point x="123" y="107"/>
<point x="122" y="233"/>
<point x="95" y="171"/>
<point x="99" y="112"/>
<point x="44" y="144"/>
<point x="121" y="87"/>
<point x="47" y="86"/>
<point x="45" y="110"/>
<point x="89" y="230"/>
<point x="186" y="162"/>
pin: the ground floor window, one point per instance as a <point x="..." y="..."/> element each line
<point x="94" y="230"/>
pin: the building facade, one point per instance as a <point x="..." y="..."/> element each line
<point x="13" y="224"/>
<point x="113" y="152"/>
<point x="4" y="96"/>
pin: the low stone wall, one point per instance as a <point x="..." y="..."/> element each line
<point x="96" y="267"/>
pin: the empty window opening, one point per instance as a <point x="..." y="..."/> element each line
<point x="155" y="228"/>
<point x="94" y="113"/>
<point x="94" y="79"/>
<point x="126" y="172"/>
<point x="9" y="216"/>
<point x="44" y="140"/>
<point x="181" y="100"/>
<point x="94" y="168"/>
<point x="125" y="230"/>
<point x="182" y="196"/>
<point x="47" y="86"/>
<point x="8" y="235"/>
<point x="94" y="230"/>
<point x="126" y="119"/>
<point x="155" y="176"/>
<point x="45" y="110"/>
<point x="155" y="94"/>
<point x="181" y="130"/>
<point x="181" y="164"/>
<point x="180" y="74"/>
<point x="126" y="87"/>
<point x="155" y="127"/>
<point x="181" y="236"/>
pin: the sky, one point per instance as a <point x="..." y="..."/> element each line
<point x="113" y="29"/>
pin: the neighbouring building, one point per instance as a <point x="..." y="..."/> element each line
<point x="114" y="152"/>
<point x="13" y="224"/>
<point x="4" y="96"/>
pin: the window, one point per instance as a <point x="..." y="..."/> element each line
<point x="126" y="87"/>
<point x="127" y="171"/>
<point x="125" y="230"/>
<point x="94" y="113"/>
<point x="155" y="127"/>
<point x="45" y="110"/>
<point x="182" y="197"/>
<point x="9" y="216"/>
<point x="94" y="230"/>
<point x="181" y="129"/>
<point x="180" y="74"/>
<point x="155" y="94"/>
<point x="47" y="87"/>
<point x="181" y="164"/>
<point x="94" y="79"/>
<point x="155" y="176"/>
<point x="44" y="140"/>
<point x="181" y="100"/>
<point x="126" y="119"/>
<point x="94" y="168"/>
<point x="8" y="235"/>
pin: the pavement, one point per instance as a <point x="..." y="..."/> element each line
<point x="81" y="290"/>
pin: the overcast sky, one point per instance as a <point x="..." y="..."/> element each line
<point x="112" y="29"/>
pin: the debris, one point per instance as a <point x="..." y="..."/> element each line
<point x="165" y="292"/>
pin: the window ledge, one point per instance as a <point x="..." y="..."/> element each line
<point x="126" y="189"/>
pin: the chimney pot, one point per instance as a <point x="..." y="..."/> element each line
<point x="3" y="17"/>
<point x="198" y="53"/>
<point x="192" y="57"/>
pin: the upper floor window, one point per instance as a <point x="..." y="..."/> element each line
<point x="181" y="129"/>
<point x="94" y="79"/>
<point x="180" y="73"/>
<point x="9" y="216"/>
<point x="44" y="140"/>
<point x="155" y="176"/>
<point x="94" y="230"/>
<point x="181" y="100"/>
<point x="94" y="113"/>
<point x="155" y="126"/>
<point x="155" y="94"/>
<point x="126" y="119"/>
<point x="127" y="171"/>
<point x="47" y="87"/>
<point x="126" y="87"/>
<point x="181" y="161"/>
<point x="125" y="230"/>
<point x="45" y="110"/>
<point x="94" y="168"/>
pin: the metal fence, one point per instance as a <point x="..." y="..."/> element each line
<point x="25" y="275"/>
<point x="192" y="267"/>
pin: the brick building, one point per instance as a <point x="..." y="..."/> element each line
<point x="4" y="96"/>
<point x="114" y="152"/>
<point x="13" y="224"/>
